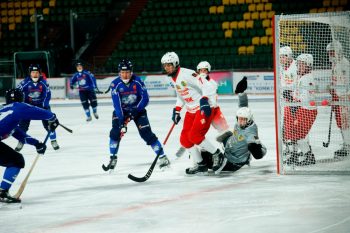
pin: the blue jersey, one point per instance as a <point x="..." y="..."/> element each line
<point x="128" y="97"/>
<point x="36" y="93"/>
<point x="12" y="114"/>
<point x="86" y="81"/>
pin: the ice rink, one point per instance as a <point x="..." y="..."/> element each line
<point x="68" y="192"/>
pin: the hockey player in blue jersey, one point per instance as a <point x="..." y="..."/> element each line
<point x="37" y="93"/>
<point x="87" y="89"/>
<point x="130" y="99"/>
<point x="10" y="115"/>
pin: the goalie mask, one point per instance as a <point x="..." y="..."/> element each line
<point x="335" y="51"/>
<point x="203" y="65"/>
<point x="14" y="95"/>
<point x="244" y="117"/>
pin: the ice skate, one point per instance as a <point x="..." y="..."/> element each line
<point x="164" y="162"/>
<point x="218" y="159"/>
<point x="344" y="151"/>
<point x="19" y="146"/>
<point x="96" y="115"/>
<point x="308" y="160"/>
<point x="54" y="144"/>
<point x="88" y="119"/>
<point x="293" y="158"/>
<point x="198" y="168"/>
<point x="6" y="198"/>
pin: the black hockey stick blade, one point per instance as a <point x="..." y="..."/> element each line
<point x="148" y="174"/>
<point x="105" y="168"/>
<point x="68" y="129"/>
<point x="106" y="91"/>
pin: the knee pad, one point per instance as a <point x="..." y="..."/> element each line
<point x="18" y="161"/>
<point x="114" y="134"/>
<point x="148" y="136"/>
<point x="85" y="104"/>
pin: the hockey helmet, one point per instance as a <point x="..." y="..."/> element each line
<point x="14" y="95"/>
<point x="307" y="58"/>
<point x="204" y="65"/>
<point x="34" y="67"/>
<point x="125" y="65"/>
<point x="286" y="50"/>
<point x="245" y="112"/>
<point x="171" y="58"/>
<point x="337" y="48"/>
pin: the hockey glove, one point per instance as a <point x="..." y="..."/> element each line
<point x="222" y="138"/>
<point x="205" y="107"/>
<point x="40" y="148"/>
<point x="71" y="87"/>
<point x="241" y="86"/>
<point x="176" y="116"/>
<point x="123" y="129"/>
<point x="53" y="123"/>
<point x="287" y="94"/>
<point x="97" y="91"/>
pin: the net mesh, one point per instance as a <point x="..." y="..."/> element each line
<point x="313" y="90"/>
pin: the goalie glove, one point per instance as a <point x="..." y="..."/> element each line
<point x="241" y="86"/>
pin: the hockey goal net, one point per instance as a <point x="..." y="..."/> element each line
<point x="312" y="93"/>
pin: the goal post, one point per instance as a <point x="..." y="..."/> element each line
<point x="312" y="93"/>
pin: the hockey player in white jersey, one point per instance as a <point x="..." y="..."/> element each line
<point x="298" y="122"/>
<point x="340" y="91"/>
<point x="242" y="141"/>
<point x="288" y="72"/>
<point x="195" y="93"/>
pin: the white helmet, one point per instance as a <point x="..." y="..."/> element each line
<point x="204" y="65"/>
<point x="286" y="50"/>
<point x="172" y="58"/>
<point x="245" y="112"/>
<point x="307" y="58"/>
<point x="337" y="48"/>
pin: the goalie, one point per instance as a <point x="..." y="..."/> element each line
<point x="241" y="142"/>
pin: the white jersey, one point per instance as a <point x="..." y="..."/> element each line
<point x="190" y="88"/>
<point x="305" y="91"/>
<point x="341" y="77"/>
<point x="288" y="76"/>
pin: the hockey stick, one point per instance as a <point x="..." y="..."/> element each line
<point x="150" y="170"/>
<point x="24" y="182"/>
<point x="108" y="167"/>
<point x="106" y="91"/>
<point x="64" y="127"/>
<point x="326" y="144"/>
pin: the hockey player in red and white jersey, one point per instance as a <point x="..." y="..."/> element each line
<point x="297" y="126"/>
<point x="195" y="93"/>
<point x="219" y="121"/>
<point x="288" y="72"/>
<point x="340" y="91"/>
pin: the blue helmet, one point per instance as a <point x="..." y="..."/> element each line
<point x="125" y="65"/>
<point x="34" y="67"/>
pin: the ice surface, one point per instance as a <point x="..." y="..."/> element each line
<point x="69" y="192"/>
